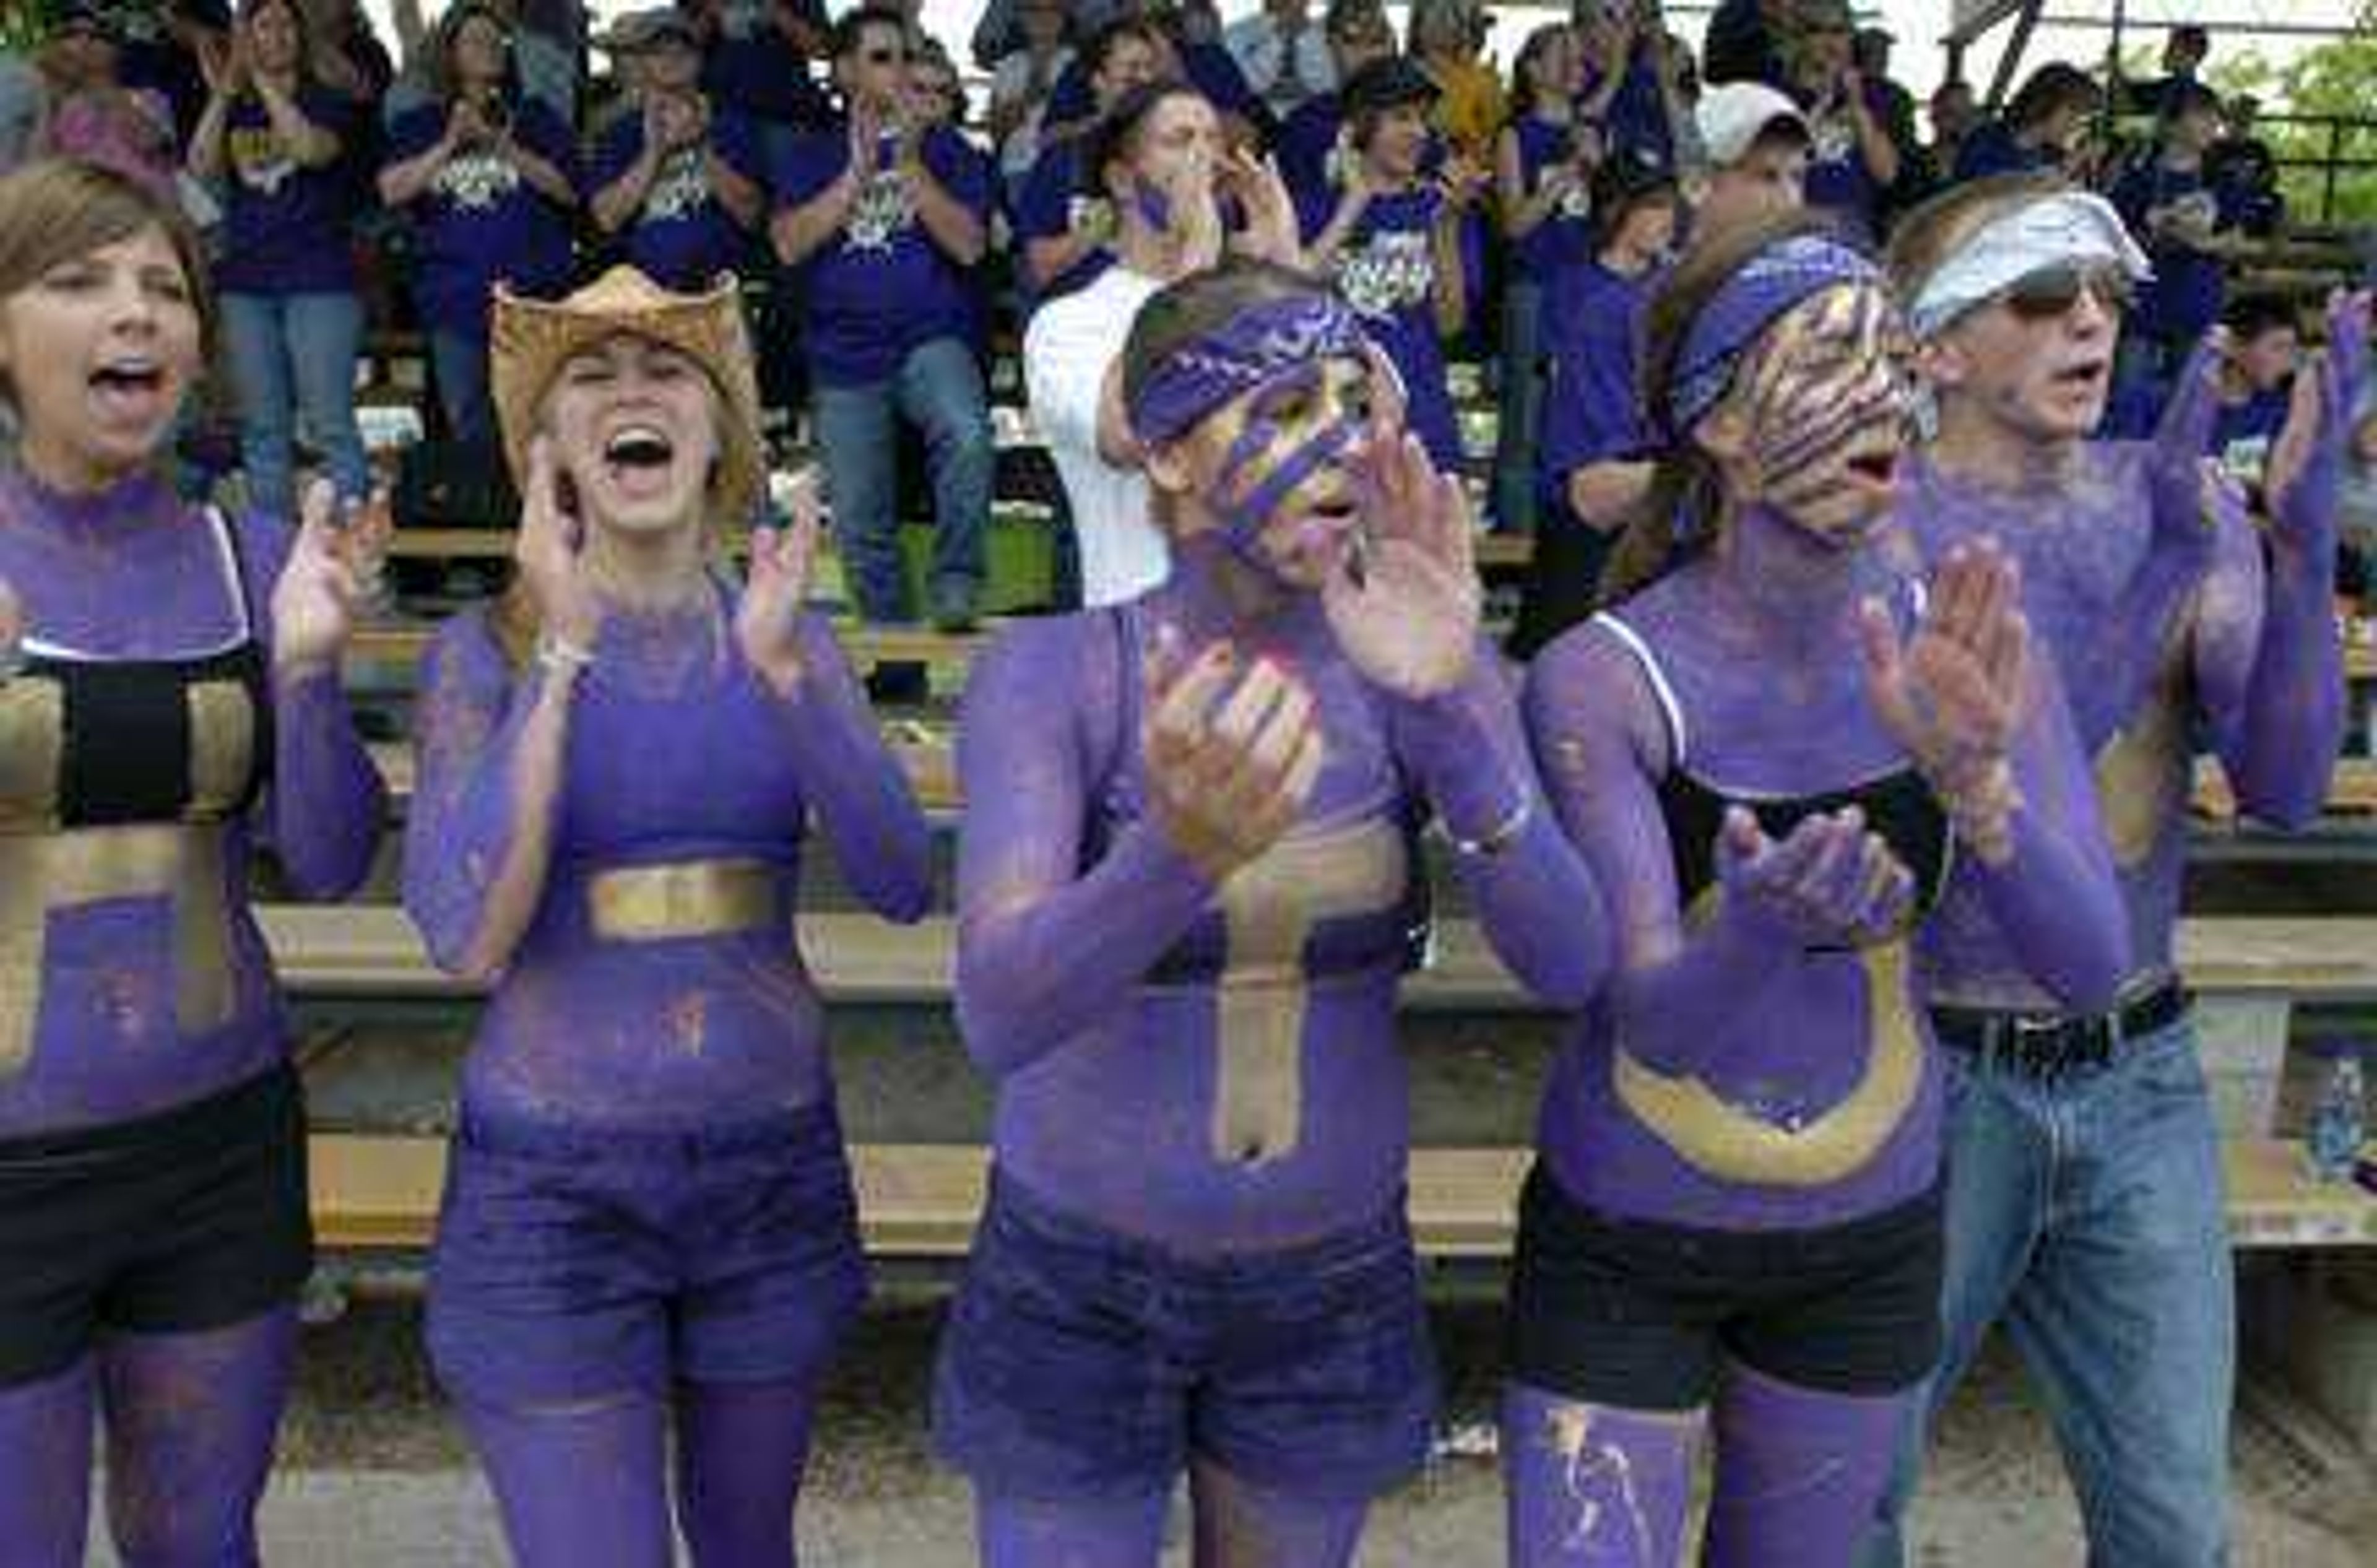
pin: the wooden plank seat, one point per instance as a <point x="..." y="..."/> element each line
<point x="2351" y="790"/>
<point x="920" y="1200"/>
<point x="372" y="951"/>
<point x="402" y="643"/>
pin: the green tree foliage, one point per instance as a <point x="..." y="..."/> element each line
<point x="2334" y="87"/>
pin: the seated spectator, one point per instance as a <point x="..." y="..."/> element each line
<point x="1065" y="223"/>
<point x="1756" y="142"/>
<point x="2184" y="50"/>
<point x="882" y="221"/>
<point x="547" y="39"/>
<point x="1895" y="106"/>
<point x="273" y="139"/>
<point x="346" y="54"/>
<point x="2043" y="129"/>
<point x="1852" y="160"/>
<point x="1954" y="112"/>
<point x="1543" y="168"/>
<point x="1744" y="42"/>
<point x="1594" y="467"/>
<point x="2177" y="213"/>
<point x="2243" y="169"/>
<point x="160" y="49"/>
<point x="489" y="178"/>
<point x="1444" y="39"/>
<point x="1284" y="55"/>
<point x="91" y="115"/>
<point x="2257" y="378"/>
<point x="1020" y="87"/>
<point x="1634" y="77"/>
<point x="758" y="60"/>
<point x="679" y="183"/>
<point x="1074" y="103"/>
<point x="1406" y="249"/>
<point x="1310" y="140"/>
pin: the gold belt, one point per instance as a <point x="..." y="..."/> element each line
<point x="46" y="873"/>
<point x="684" y="898"/>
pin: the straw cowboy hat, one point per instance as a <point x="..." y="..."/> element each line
<point x="533" y="339"/>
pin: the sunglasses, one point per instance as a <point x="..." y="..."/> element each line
<point x="2052" y="293"/>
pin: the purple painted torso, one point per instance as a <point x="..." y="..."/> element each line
<point x="1830" y="1022"/>
<point x="677" y="753"/>
<point x="132" y="974"/>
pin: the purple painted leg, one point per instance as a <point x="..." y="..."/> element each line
<point x="1025" y="1533"/>
<point x="1799" y="1472"/>
<point x="45" y="1449"/>
<point x="580" y="1485"/>
<point x="1242" y="1525"/>
<point x="190" y="1423"/>
<point x="1592" y="1486"/>
<point x="741" y="1450"/>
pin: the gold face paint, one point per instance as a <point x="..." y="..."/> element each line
<point x="1268" y="909"/>
<point x="1720" y="1140"/>
<point x="688" y="898"/>
<point x="1828" y="389"/>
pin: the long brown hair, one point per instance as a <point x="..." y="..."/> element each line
<point x="54" y="211"/>
<point x="1683" y="480"/>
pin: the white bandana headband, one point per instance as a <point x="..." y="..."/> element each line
<point x="2068" y="229"/>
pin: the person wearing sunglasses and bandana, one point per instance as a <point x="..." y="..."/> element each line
<point x="1771" y="751"/>
<point x="2085" y="1205"/>
<point x="1188" y="886"/>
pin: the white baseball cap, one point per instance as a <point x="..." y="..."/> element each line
<point x="1733" y="116"/>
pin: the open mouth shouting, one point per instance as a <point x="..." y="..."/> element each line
<point x="133" y="389"/>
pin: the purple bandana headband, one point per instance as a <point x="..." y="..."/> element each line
<point x="1254" y="348"/>
<point x="1767" y="286"/>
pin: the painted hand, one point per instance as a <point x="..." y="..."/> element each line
<point x="1830" y="883"/>
<point x="550" y="553"/>
<point x="1405" y="610"/>
<point x="2307" y="464"/>
<point x="333" y="567"/>
<point x="766" y="623"/>
<point x="1953" y="696"/>
<point x="1268" y="231"/>
<point x="1228" y="775"/>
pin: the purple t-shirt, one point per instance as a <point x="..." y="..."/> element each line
<point x="1594" y="411"/>
<point x="1054" y="203"/>
<point x="481" y="222"/>
<point x="1306" y="139"/>
<point x="288" y="229"/>
<point x="1564" y="237"/>
<point x="1208" y="68"/>
<point x="2182" y="301"/>
<point x="881" y="288"/>
<point x="1636" y="120"/>
<point x="1386" y="271"/>
<point x="683" y="238"/>
<point x="1838" y="180"/>
<point x="755" y="71"/>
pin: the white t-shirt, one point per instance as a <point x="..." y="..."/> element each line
<point x="1067" y="350"/>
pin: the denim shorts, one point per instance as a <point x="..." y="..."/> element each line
<point x="573" y="1262"/>
<point x="1081" y="1364"/>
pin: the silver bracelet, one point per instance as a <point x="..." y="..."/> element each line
<point x="1499" y="837"/>
<point x="560" y="655"/>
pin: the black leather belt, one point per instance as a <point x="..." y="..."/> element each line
<point x="2045" y="1045"/>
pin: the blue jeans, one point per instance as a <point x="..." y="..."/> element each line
<point x="2086" y="1215"/>
<point x="938" y="388"/>
<point x="1526" y="370"/>
<point x="459" y="361"/>
<point x="292" y="354"/>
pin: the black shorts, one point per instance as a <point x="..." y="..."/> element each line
<point x="1642" y="1315"/>
<point x="194" y="1219"/>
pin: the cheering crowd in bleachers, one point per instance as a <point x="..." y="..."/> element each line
<point x="891" y="240"/>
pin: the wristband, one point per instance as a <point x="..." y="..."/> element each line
<point x="1497" y="838"/>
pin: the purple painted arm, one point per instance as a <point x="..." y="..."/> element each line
<point x="469" y="733"/>
<point x="856" y="786"/>
<point x="2057" y="897"/>
<point x="328" y="805"/>
<point x="1043" y="950"/>
<point x="1538" y="903"/>
<point x="1677" y="998"/>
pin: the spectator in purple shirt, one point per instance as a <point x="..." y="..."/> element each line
<point x="883" y="220"/>
<point x="757" y="62"/>
<point x="1207" y="67"/>
<point x="1064" y="222"/>
<point x="1308" y="140"/>
<point x="488" y="176"/>
<point x="274" y="137"/>
<point x="2181" y="217"/>
<point x="2041" y="130"/>
<point x="680" y="182"/>
<point x="1852" y="161"/>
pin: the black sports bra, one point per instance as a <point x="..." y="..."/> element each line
<point x="93" y="740"/>
<point x="1898" y="804"/>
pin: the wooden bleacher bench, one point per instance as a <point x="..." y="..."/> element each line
<point x="920" y="1200"/>
<point x="2351" y="790"/>
<point x="403" y="643"/>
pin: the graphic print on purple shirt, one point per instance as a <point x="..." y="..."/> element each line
<point x="1839" y="179"/>
<point x="1387" y="272"/>
<point x="482" y="222"/>
<point x="881" y="287"/>
<point x="288" y="229"/>
<point x="134" y="574"/>
<point x="1053" y="204"/>
<point x="1565" y="237"/>
<point x="683" y="238"/>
